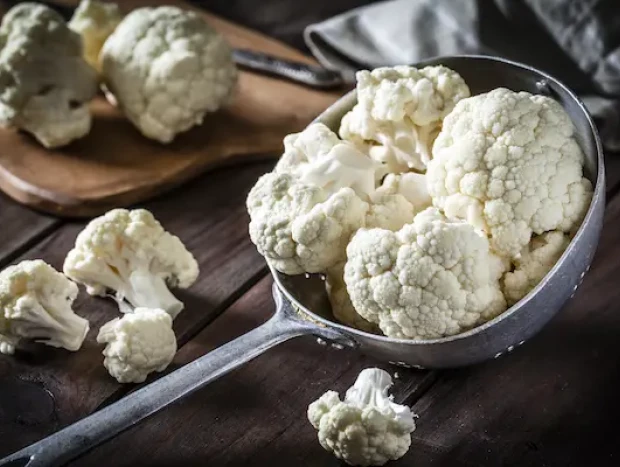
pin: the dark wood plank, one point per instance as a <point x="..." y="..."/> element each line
<point x="20" y="227"/>
<point x="552" y="402"/>
<point x="43" y="389"/>
<point x="255" y="415"/>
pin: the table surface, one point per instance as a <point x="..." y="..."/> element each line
<point x="552" y="402"/>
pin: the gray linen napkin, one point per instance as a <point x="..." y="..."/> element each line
<point x="575" y="40"/>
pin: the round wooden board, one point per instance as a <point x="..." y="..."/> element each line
<point x="116" y="166"/>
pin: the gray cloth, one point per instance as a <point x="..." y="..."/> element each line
<point x="578" y="41"/>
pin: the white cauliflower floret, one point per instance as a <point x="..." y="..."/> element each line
<point x="395" y="203"/>
<point x="131" y="254"/>
<point x="45" y="84"/>
<point x="342" y="308"/>
<point x="532" y="266"/>
<point x="367" y="428"/>
<point x="316" y="156"/>
<point x="399" y="113"/>
<point x="167" y="68"/>
<point x="302" y="228"/>
<point x="433" y="278"/>
<point x="94" y="21"/>
<point x="35" y="303"/>
<point x="410" y="185"/>
<point x="509" y="164"/>
<point x="138" y="344"/>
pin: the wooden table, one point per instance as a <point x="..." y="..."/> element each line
<point x="552" y="402"/>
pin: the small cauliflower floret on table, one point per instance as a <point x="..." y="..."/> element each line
<point x="138" y="344"/>
<point x="130" y="253"/>
<point x="367" y="428"/>
<point x="432" y="278"/>
<point x="167" y="68"/>
<point x="45" y="84"/>
<point x="399" y="113"/>
<point x="94" y="21"/>
<point x="509" y="164"/>
<point x="35" y="303"/>
<point x="532" y="266"/>
<point x="299" y="227"/>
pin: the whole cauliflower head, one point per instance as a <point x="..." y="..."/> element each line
<point x="399" y="113"/>
<point x="138" y="344"/>
<point x="535" y="261"/>
<point x="94" y="21"/>
<point x="35" y="303"/>
<point x="342" y="308"/>
<point x="299" y="227"/>
<point x="367" y="428"/>
<point x="130" y="253"/>
<point x="432" y="278"/>
<point x="509" y="164"/>
<point x="45" y="84"/>
<point x="167" y="68"/>
<point x="317" y="156"/>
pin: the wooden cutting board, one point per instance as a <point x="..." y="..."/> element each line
<point x="116" y="166"/>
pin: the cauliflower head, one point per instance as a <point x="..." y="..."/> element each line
<point x="167" y="68"/>
<point x="399" y="113"/>
<point x="432" y="278"/>
<point x="316" y="156"/>
<point x="130" y="253"/>
<point x="299" y="227"/>
<point x="94" y="21"/>
<point x="35" y="303"/>
<point x="45" y="84"/>
<point x="535" y="261"/>
<point x="138" y="344"/>
<point x="509" y="164"/>
<point x="367" y="428"/>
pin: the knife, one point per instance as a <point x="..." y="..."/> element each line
<point x="301" y="73"/>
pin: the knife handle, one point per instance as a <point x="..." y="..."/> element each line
<point x="302" y="73"/>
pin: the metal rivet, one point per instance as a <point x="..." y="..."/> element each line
<point x="498" y="354"/>
<point x="337" y="346"/>
<point x="320" y="341"/>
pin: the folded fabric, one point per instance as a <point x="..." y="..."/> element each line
<point x="574" y="40"/>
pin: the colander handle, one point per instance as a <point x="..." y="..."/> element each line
<point x="70" y="442"/>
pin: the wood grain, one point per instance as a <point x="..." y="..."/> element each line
<point x="255" y="415"/>
<point x="114" y="165"/>
<point x="553" y="402"/>
<point x="43" y="389"/>
<point x="20" y="227"/>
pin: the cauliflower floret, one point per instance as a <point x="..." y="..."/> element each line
<point x="95" y="21"/>
<point x="410" y="185"/>
<point x="167" y="68"/>
<point x="509" y="164"/>
<point x="535" y="262"/>
<point x="138" y="344"/>
<point x="301" y="228"/>
<point x="45" y="84"/>
<point x="342" y="308"/>
<point x="399" y="113"/>
<point x="35" y="303"/>
<point x="130" y="253"/>
<point x="367" y="428"/>
<point x="433" y="278"/>
<point x="316" y="156"/>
